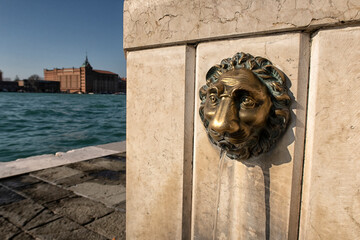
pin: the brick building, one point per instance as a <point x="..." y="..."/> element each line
<point x="84" y="79"/>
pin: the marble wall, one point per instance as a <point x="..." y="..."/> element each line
<point x="307" y="186"/>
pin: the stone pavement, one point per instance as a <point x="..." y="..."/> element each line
<point x="83" y="200"/>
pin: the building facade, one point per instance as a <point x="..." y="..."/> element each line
<point x="84" y="79"/>
<point x="40" y="86"/>
<point x="7" y="86"/>
<point x="122" y="85"/>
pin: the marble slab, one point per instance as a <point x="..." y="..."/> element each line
<point x="160" y="87"/>
<point x="161" y="22"/>
<point x="259" y="198"/>
<point x="330" y="206"/>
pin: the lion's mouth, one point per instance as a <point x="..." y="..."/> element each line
<point x="233" y="139"/>
<point x="230" y="142"/>
<point x="226" y="145"/>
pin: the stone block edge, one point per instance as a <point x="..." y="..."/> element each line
<point x="35" y="163"/>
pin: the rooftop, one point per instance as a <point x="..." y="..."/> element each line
<point x="104" y="72"/>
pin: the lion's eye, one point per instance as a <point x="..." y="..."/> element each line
<point x="213" y="98"/>
<point x="247" y="102"/>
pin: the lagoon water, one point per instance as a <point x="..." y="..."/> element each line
<point x="40" y="123"/>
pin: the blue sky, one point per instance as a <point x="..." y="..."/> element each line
<point x="38" y="34"/>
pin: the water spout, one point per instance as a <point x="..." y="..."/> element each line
<point x="218" y="190"/>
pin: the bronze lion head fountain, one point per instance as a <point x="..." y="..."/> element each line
<point x="244" y="105"/>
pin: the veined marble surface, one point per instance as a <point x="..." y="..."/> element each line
<point x="330" y="206"/>
<point x="159" y="22"/>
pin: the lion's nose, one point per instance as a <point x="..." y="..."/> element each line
<point x="226" y="117"/>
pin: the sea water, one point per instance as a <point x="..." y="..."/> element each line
<point x="45" y="123"/>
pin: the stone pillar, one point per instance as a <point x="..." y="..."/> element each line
<point x="160" y="95"/>
<point x="331" y="195"/>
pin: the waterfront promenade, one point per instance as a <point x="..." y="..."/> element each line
<point x="80" y="198"/>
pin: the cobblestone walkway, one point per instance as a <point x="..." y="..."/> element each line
<point x="83" y="200"/>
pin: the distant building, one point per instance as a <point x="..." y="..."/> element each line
<point x="122" y="85"/>
<point x="38" y="86"/>
<point x="84" y="79"/>
<point x="7" y="86"/>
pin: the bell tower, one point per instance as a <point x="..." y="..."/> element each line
<point x="85" y="69"/>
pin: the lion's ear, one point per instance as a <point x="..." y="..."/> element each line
<point x="202" y="93"/>
<point x="213" y="73"/>
<point x="277" y="73"/>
